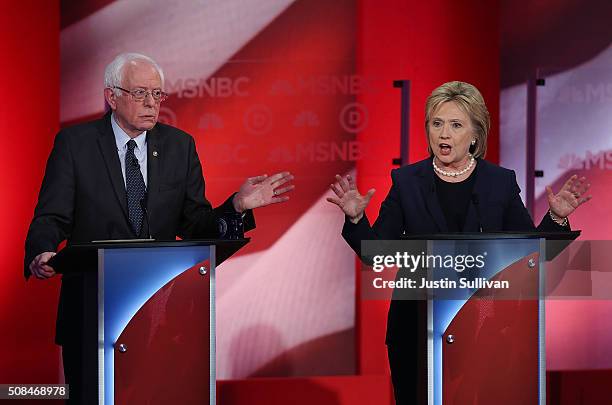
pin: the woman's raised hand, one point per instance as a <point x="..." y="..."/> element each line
<point x="347" y="197"/>
<point x="571" y="196"/>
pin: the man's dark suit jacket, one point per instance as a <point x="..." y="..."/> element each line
<point x="412" y="207"/>
<point x="83" y="198"/>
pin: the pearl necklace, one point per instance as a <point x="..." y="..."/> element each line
<point x="455" y="174"/>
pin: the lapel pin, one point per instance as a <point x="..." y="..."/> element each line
<point x="155" y="153"/>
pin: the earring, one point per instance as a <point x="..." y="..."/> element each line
<point x="473" y="142"/>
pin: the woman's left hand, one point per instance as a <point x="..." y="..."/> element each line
<point x="570" y="197"/>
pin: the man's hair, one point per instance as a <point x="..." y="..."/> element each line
<point x="469" y="99"/>
<point x="113" y="74"/>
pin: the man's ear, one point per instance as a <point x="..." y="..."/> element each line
<point x="111" y="98"/>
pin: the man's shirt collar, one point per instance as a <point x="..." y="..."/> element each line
<point x="122" y="138"/>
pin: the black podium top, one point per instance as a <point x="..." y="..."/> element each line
<point x="569" y="236"/>
<point x="80" y="256"/>
<point x="555" y="241"/>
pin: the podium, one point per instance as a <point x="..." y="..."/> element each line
<point x="483" y="342"/>
<point x="155" y="314"/>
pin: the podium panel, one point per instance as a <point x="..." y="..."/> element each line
<point x="156" y="325"/>
<point x="494" y="347"/>
<point x="485" y="311"/>
<point x="486" y="345"/>
<point x="154" y="322"/>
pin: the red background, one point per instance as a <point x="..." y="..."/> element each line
<point x="426" y="42"/>
<point x="29" y="117"/>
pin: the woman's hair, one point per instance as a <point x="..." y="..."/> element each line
<point x="469" y="99"/>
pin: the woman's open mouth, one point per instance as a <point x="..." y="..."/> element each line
<point x="445" y="149"/>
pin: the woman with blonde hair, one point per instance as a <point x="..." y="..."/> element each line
<point x="454" y="190"/>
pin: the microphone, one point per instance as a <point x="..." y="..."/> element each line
<point x="143" y="205"/>
<point x="477" y="206"/>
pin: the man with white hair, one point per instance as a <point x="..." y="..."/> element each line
<point x="124" y="176"/>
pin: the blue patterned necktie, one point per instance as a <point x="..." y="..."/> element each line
<point x="135" y="188"/>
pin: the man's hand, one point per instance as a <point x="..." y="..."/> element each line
<point x="262" y="190"/>
<point x="39" y="267"/>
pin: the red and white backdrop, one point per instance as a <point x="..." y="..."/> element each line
<point x="305" y="86"/>
<point x="278" y="85"/>
<point x="262" y="86"/>
<point x="571" y="47"/>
